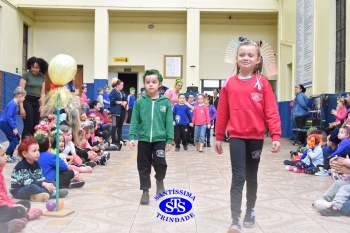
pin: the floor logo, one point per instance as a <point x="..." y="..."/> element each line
<point x="175" y="205"/>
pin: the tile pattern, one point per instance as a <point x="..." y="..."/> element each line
<point x="109" y="202"/>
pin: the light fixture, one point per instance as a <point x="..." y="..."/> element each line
<point x="150" y="26"/>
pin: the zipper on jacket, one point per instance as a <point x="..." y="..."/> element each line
<point x="152" y="120"/>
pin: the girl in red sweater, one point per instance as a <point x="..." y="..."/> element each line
<point x="201" y="120"/>
<point x="246" y="108"/>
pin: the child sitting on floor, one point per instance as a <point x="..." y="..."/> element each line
<point x="9" y="209"/>
<point x="27" y="180"/>
<point x="312" y="157"/>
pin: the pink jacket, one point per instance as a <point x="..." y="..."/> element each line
<point x="341" y="114"/>
<point x="4" y="198"/>
<point x="85" y="99"/>
<point x="201" y="115"/>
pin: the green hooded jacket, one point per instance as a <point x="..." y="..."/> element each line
<point x="152" y="120"/>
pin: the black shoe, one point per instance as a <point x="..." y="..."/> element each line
<point x="177" y="148"/>
<point x="249" y="219"/>
<point x="330" y="212"/>
<point x="287" y="162"/>
<point x="63" y="192"/>
<point x="145" y="198"/>
<point x="160" y="187"/>
<point x="185" y="147"/>
<point x="235" y="225"/>
<point x="91" y="164"/>
<point x="119" y="146"/>
<point x="205" y="145"/>
<point x="208" y="144"/>
<point x="76" y="183"/>
<point x="214" y="134"/>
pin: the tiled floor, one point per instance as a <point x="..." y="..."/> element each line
<point x="109" y="202"/>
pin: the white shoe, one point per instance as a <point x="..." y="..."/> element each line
<point x="321" y="204"/>
<point x="322" y="173"/>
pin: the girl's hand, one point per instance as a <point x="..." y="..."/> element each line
<point x="208" y="126"/>
<point x="218" y="147"/>
<point x="22" y="113"/>
<point x="276" y="146"/>
<point x="191" y="124"/>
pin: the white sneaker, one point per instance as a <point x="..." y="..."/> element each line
<point x="321" y="204"/>
<point x="322" y="173"/>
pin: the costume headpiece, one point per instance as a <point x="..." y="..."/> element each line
<point x="268" y="61"/>
<point x="114" y="82"/>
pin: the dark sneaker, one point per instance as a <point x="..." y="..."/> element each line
<point x="208" y="144"/>
<point x="145" y="198"/>
<point x="160" y="187"/>
<point x="330" y="211"/>
<point x="63" y="192"/>
<point x="103" y="160"/>
<point x="76" y="183"/>
<point x="91" y="164"/>
<point x="249" y="219"/>
<point x="185" y="147"/>
<point x="235" y="226"/>
<point x="177" y="148"/>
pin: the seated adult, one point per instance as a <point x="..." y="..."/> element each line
<point x="94" y="111"/>
<point x="342" y="165"/>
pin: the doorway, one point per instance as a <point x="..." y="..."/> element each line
<point x="130" y="80"/>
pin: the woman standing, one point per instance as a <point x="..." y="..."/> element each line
<point x="117" y="107"/>
<point x="33" y="81"/>
<point x="172" y="93"/>
<point x="300" y="110"/>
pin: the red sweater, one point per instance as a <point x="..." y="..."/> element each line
<point x="246" y="112"/>
<point x="201" y="115"/>
<point x="4" y="198"/>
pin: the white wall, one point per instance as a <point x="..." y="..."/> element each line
<point x="74" y="39"/>
<point x="214" y="40"/>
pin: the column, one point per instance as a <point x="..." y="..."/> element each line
<point x="192" y="50"/>
<point x="101" y="49"/>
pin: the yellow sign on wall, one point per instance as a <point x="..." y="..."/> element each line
<point x="121" y="59"/>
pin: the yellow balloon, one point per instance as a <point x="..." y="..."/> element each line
<point x="62" y="69"/>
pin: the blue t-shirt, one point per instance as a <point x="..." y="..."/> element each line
<point x="10" y="114"/>
<point x="131" y="101"/>
<point x="106" y="100"/>
<point x="181" y="114"/>
<point x="47" y="162"/>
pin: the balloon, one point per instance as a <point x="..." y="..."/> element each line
<point x="62" y="69"/>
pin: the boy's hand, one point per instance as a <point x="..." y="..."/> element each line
<point x="208" y="126"/>
<point x="218" y="147"/>
<point x="168" y="147"/>
<point x="276" y="146"/>
<point x="48" y="186"/>
<point x="191" y="124"/>
<point x="15" y="131"/>
<point x="22" y="113"/>
<point x="132" y="144"/>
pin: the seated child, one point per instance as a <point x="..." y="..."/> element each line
<point x="85" y="153"/>
<point x="47" y="162"/>
<point x="10" y="210"/>
<point x="99" y="131"/>
<point x="88" y="144"/>
<point x="69" y="148"/>
<point x="312" y="157"/>
<point x="27" y="180"/>
<point x="344" y="145"/>
<point x="334" y="198"/>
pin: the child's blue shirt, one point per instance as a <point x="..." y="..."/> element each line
<point x="131" y="101"/>
<point x="343" y="147"/>
<point x="182" y="114"/>
<point x="106" y="100"/>
<point x="10" y="114"/>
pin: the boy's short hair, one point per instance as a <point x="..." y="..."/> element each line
<point x="132" y="89"/>
<point x="65" y="128"/>
<point x="19" y="91"/>
<point x="24" y="144"/>
<point x="151" y="72"/>
<point x="99" y="89"/>
<point x="347" y="129"/>
<point x="44" y="142"/>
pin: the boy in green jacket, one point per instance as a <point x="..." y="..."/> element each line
<point x="152" y="121"/>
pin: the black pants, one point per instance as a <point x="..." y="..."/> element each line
<point x="245" y="158"/>
<point x="117" y="126"/>
<point x="31" y="106"/>
<point x="148" y="154"/>
<point x="299" y="123"/>
<point x="181" y="132"/>
<point x="190" y="134"/>
<point x="128" y="120"/>
<point x="65" y="178"/>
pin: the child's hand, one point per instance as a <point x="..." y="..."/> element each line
<point x="15" y="131"/>
<point x="174" y="123"/>
<point x="48" y="186"/>
<point x="168" y="147"/>
<point x="191" y="124"/>
<point x="208" y="126"/>
<point x="132" y="144"/>
<point x="95" y="148"/>
<point x="218" y="147"/>
<point x="276" y="146"/>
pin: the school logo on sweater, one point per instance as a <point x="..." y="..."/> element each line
<point x="257" y="96"/>
<point x="162" y="108"/>
<point x="177" y="118"/>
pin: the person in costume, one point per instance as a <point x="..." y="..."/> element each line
<point x="33" y="81"/>
<point x="246" y="108"/>
<point x="152" y="121"/>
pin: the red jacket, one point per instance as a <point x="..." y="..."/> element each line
<point x="104" y="117"/>
<point x="4" y="198"/>
<point x="246" y="111"/>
